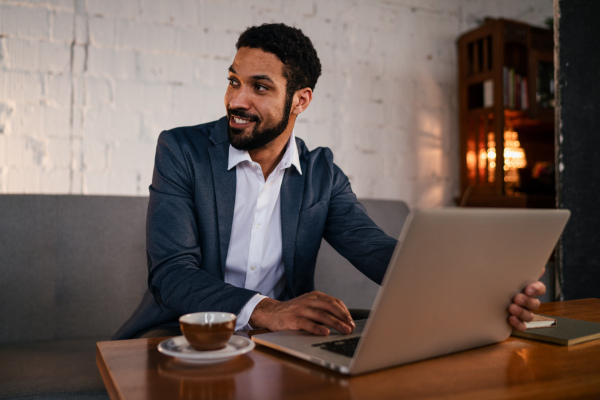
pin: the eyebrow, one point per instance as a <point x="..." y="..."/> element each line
<point x="254" y="77"/>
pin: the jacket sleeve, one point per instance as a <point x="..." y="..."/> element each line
<point x="352" y="233"/>
<point x="178" y="278"/>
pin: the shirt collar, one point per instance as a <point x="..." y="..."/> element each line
<point x="290" y="157"/>
<point x="237" y="156"/>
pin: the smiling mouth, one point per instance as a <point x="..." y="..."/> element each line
<point x="239" y="119"/>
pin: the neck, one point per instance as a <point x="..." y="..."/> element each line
<point x="269" y="156"/>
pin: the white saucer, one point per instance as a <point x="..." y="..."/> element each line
<point x="179" y="348"/>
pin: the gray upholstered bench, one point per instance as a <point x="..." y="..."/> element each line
<point x="73" y="268"/>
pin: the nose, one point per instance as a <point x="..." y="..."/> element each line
<point x="237" y="98"/>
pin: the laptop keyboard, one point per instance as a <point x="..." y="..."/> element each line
<point x="345" y="347"/>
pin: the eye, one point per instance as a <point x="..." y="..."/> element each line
<point x="233" y="82"/>
<point x="260" y="88"/>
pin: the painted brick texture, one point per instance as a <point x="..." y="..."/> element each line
<point x="86" y="86"/>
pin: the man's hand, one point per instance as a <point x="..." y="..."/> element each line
<point x="311" y="312"/>
<point x="523" y="305"/>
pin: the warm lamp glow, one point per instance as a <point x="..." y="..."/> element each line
<point x="514" y="155"/>
<point x="514" y="158"/>
<point x="485" y="158"/>
<point x="491" y="156"/>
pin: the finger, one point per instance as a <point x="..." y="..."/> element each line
<point x="324" y="317"/>
<point x="312" y="327"/>
<point x="516" y="323"/>
<point x="321" y="309"/>
<point x="521" y="313"/>
<point x="334" y="306"/>
<point x="535" y="289"/>
<point x="527" y="302"/>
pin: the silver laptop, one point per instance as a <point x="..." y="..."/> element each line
<point x="447" y="289"/>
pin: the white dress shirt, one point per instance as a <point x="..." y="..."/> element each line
<point x="254" y="258"/>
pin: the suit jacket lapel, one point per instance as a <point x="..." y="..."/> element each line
<point x="292" y="189"/>
<point x="224" y="183"/>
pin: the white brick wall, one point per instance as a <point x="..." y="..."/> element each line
<point x="86" y="86"/>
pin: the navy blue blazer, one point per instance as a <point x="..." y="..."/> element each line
<point x="190" y="214"/>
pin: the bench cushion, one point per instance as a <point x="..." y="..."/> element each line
<point x="71" y="266"/>
<point x="59" y="369"/>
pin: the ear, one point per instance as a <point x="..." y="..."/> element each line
<point x="302" y="99"/>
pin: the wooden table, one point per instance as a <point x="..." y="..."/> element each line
<point x="513" y="369"/>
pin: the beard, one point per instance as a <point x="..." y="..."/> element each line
<point x="258" y="137"/>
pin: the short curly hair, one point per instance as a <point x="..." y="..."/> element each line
<point x="302" y="67"/>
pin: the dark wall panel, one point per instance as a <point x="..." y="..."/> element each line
<point x="578" y="72"/>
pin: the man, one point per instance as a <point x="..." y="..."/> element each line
<point x="238" y="207"/>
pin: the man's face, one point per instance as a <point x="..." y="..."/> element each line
<point x="257" y="106"/>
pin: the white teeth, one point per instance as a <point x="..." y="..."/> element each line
<point x="239" y="120"/>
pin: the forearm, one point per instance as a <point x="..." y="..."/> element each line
<point x="262" y="313"/>
<point x="243" y="319"/>
<point x="353" y="234"/>
<point x="190" y="289"/>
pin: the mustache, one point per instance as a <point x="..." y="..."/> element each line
<point x="242" y="114"/>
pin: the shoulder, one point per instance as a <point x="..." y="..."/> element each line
<point x="196" y="135"/>
<point x="319" y="168"/>
<point x="322" y="156"/>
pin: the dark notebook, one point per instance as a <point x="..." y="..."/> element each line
<point x="566" y="332"/>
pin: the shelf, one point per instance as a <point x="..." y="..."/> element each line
<point x="479" y="78"/>
<point x="506" y="63"/>
<point x="480" y="111"/>
<point x="520" y="119"/>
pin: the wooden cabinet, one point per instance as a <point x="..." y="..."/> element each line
<point x="506" y="106"/>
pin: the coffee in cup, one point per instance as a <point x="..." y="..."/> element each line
<point x="206" y="331"/>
